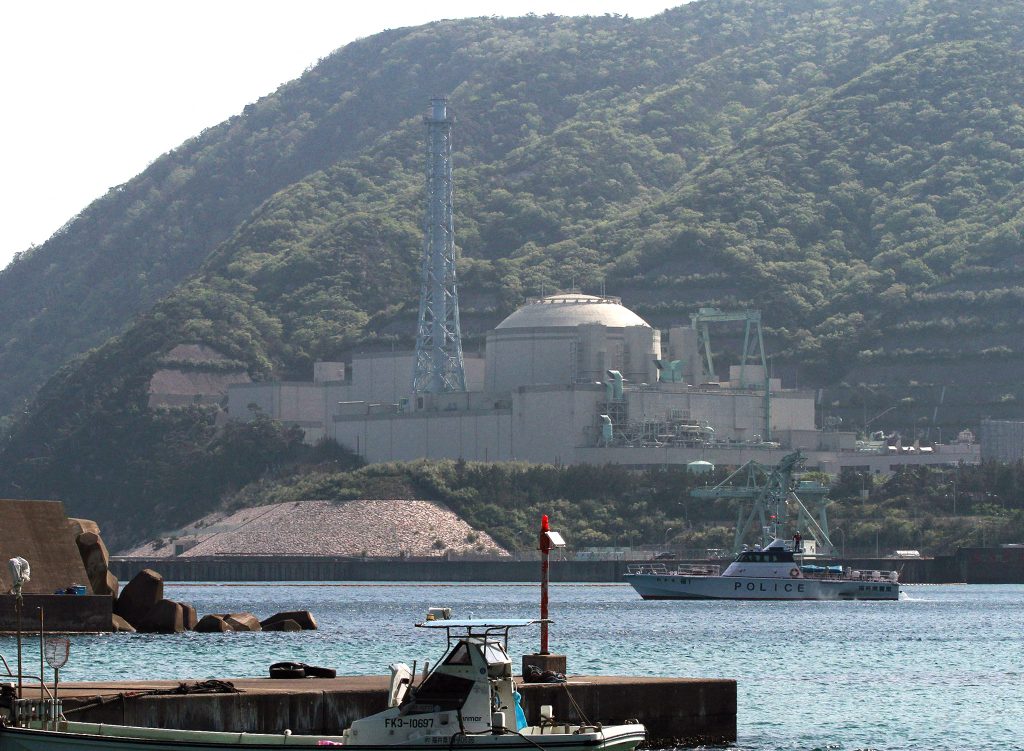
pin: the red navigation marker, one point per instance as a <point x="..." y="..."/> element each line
<point x="548" y="540"/>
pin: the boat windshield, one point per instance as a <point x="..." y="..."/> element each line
<point x="495" y="653"/>
<point x="439" y="691"/>
<point x="459" y="655"/>
<point x="769" y="555"/>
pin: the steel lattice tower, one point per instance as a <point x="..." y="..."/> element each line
<point x="439" y="367"/>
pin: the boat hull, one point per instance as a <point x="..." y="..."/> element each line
<point x="94" y="737"/>
<point x="683" y="587"/>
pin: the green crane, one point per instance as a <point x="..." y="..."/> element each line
<point x="753" y="347"/>
<point x="765" y="493"/>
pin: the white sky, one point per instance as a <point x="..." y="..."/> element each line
<point x="95" y="90"/>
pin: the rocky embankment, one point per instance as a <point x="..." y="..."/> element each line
<point x="141" y="605"/>
<point x="374" y="528"/>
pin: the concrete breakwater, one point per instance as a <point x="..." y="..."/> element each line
<point x="61" y="613"/>
<point x="970" y="565"/>
<point x="676" y="711"/>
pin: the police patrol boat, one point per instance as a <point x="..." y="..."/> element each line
<point x="775" y="572"/>
<point x="468" y="699"/>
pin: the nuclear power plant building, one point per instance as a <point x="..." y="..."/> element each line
<point x="567" y="378"/>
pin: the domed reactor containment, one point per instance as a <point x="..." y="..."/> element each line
<point x="570" y="338"/>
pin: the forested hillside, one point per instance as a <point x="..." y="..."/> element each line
<point x="926" y="508"/>
<point x="852" y="169"/>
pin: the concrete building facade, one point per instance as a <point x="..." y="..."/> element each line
<point x="1002" y="440"/>
<point x="566" y="379"/>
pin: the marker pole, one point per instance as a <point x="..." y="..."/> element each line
<point x="545" y="548"/>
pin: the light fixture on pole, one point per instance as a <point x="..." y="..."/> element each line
<point x="548" y="540"/>
<point x="543" y="660"/>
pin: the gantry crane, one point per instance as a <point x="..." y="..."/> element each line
<point x="765" y="493"/>
<point x="753" y="347"/>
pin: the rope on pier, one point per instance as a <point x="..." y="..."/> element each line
<point x="201" y="687"/>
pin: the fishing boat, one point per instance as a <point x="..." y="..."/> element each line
<point x="778" y="571"/>
<point x="468" y="699"/>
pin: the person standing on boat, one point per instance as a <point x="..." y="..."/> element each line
<point x="797" y="540"/>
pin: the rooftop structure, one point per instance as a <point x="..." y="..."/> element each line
<point x="572" y="309"/>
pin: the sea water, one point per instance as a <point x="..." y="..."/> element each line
<point x="943" y="668"/>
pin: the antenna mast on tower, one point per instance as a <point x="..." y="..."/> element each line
<point x="439" y="366"/>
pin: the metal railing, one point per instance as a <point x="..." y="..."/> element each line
<point x="43" y="688"/>
<point x="683" y="569"/>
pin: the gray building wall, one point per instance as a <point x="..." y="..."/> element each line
<point x="329" y="372"/>
<point x="571" y="354"/>
<point x="303" y="404"/>
<point x="559" y="423"/>
<point x="473" y="436"/>
<point x="517" y="357"/>
<point x="792" y="411"/>
<point x="1002" y="440"/>
<point x="387" y="376"/>
<point x="376" y="378"/>
<point x="684" y="345"/>
<point x="550" y="422"/>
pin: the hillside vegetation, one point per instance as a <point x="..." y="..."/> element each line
<point x="921" y="508"/>
<point x="852" y="169"/>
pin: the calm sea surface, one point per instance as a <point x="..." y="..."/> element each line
<point x="942" y="668"/>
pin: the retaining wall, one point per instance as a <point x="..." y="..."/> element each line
<point x="970" y="565"/>
<point x="61" y="613"/>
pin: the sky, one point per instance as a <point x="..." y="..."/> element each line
<point x="96" y="90"/>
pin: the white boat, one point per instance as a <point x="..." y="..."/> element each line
<point x="468" y="699"/>
<point x="775" y="572"/>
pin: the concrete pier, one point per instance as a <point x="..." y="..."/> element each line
<point x="676" y="711"/>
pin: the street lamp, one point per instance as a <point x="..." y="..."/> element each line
<point x="843" y="533"/>
<point x="668" y="531"/>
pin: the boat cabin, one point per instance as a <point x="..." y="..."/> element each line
<point x="469" y="689"/>
<point x="776" y="552"/>
<point x="768" y="555"/>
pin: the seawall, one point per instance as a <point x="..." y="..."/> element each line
<point x="61" y="613"/>
<point x="969" y="565"/>
<point x="676" y="711"/>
